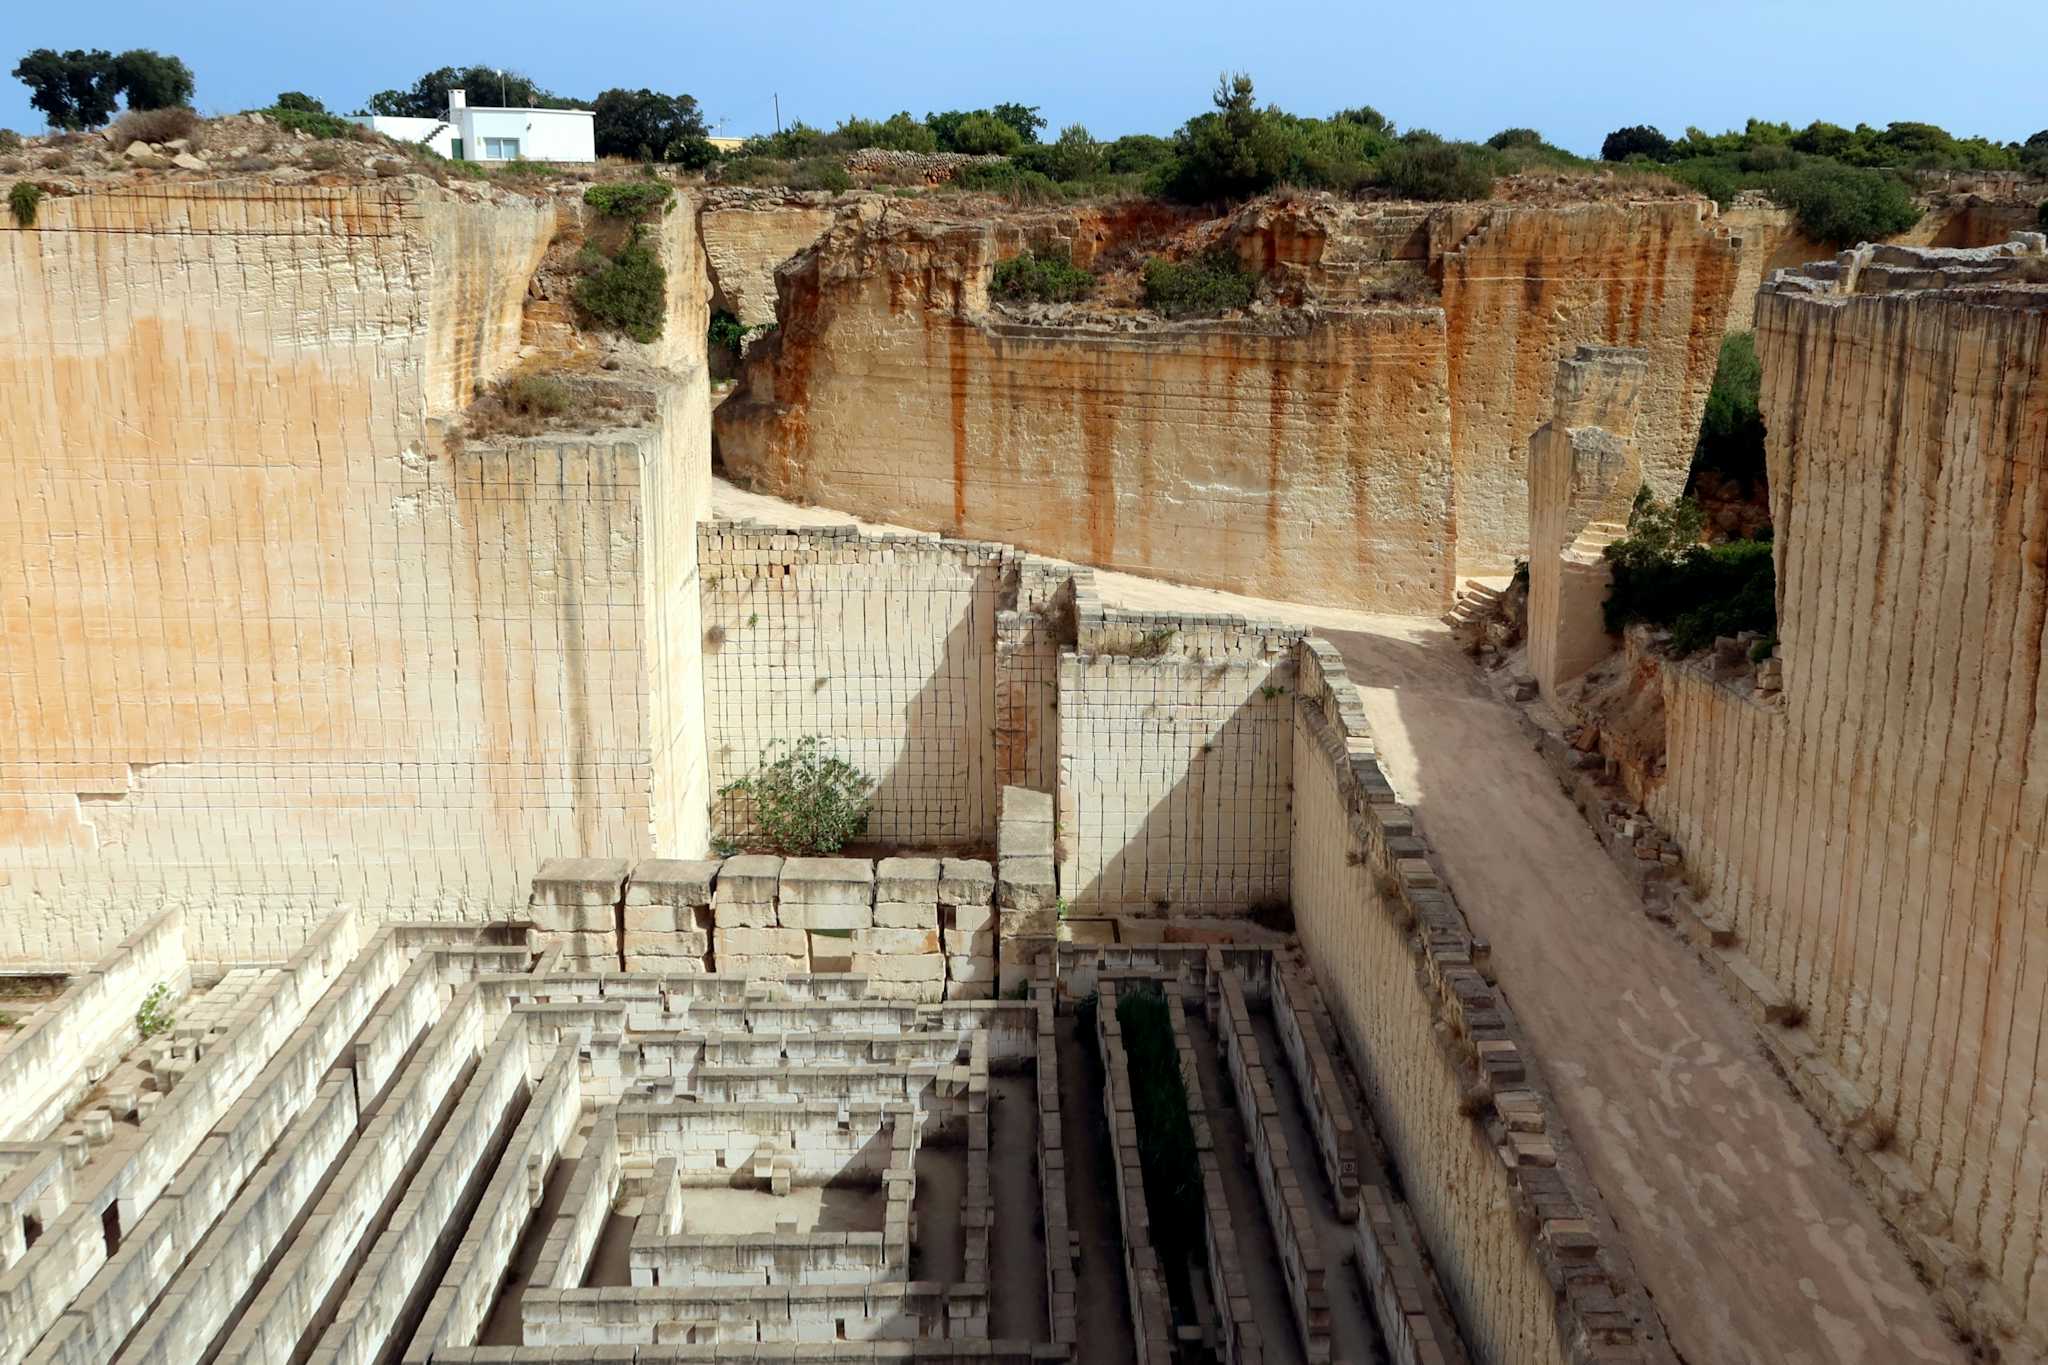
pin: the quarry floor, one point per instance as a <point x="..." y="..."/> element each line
<point x="1744" y="1222"/>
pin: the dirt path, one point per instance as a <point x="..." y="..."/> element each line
<point x="1743" y="1221"/>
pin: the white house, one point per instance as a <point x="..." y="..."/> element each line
<point x="482" y="133"/>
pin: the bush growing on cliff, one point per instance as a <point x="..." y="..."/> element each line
<point x="1040" y="277"/>
<point x="1007" y="178"/>
<point x="22" y="201"/>
<point x="152" y="125"/>
<point x="803" y="800"/>
<point x="819" y="173"/>
<point x="626" y="292"/>
<point x="314" y="123"/>
<point x="1424" y="167"/>
<point x="1731" y="440"/>
<point x="1203" y="287"/>
<point x="1662" y="575"/>
<point x="631" y="199"/>
<point x="1844" y="205"/>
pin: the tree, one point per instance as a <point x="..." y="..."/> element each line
<point x="651" y="126"/>
<point x="2034" y="154"/>
<point x="298" y="102"/>
<point x="1638" y="140"/>
<point x="1366" y="117"/>
<point x="983" y="134"/>
<point x="1515" y="137"/>
<point x="74" y="89"/>
<point x="486" y="85"/>
<point x="1023" y="117"/>
<point x="150" y="80"/>
<point x="1239" y="150"/>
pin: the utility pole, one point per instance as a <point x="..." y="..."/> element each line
<point x="504" y="100"/>
<point x="778" y="111"/>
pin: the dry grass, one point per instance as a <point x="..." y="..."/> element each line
<point x="529" y="404"/>
<point x="153" y="125"/>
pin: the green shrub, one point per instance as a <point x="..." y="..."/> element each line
<point x="1238" y="151"/>
<point x="1205" y="286"/>
<point x="1008" y="178"/>
<point x="1427" y="169"/>
<point x="1040" y="277"/>
<point x="898" y="132"/>
<point x="1516" y="137"/>
<point x="730" y="333"/>
<point x="314" y="123"/>
<point x="1732" y="428"/>
<point x="298" y="101"/>
<point x="630" y="198"/>
<point x="1638" y="140"/>
<point x="537" y="395"/>
<point x="22" y="201"/>
<point x="626" y="292"/>
<point x="1844" y="205"/>
<point x="804" y="801"/>
<point x="1166" y="1140"/>
<point x="1074" y="156"/>
<point x="749" y="170"/>
<point x="10" y="141"/>
<point x="1663" y="575"/>
<point x="1136" y="153"/>
<point x="820" y="173"/>
<point x="981" y="133"/>
<point x="155" y="1015"/>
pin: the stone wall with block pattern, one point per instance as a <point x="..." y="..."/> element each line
<point x="1871" y="839"/>
<point x="269" y="646"/>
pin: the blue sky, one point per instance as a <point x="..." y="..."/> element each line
<point x="1465" y="69"/>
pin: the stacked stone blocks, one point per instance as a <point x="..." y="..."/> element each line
<point x="920" y="929"/>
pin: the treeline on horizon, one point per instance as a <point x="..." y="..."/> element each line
<point x="1844" y="184"/>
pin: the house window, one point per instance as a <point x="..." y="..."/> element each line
<point x="501" y="149"/>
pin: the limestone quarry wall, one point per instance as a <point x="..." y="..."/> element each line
<point x="1521" y="288"/>
<point x="1383" y="442"/>
<point x="1876" y="838"/>
<point x="1175" y="766"/>
<point x="268" y="645"/>
<point x="1531" y="1265"/>
<point x="743" y="247"/>
<point x="882" y="648"/>
<point x="1769" y="239"/>
<point x="1224" y="454"/>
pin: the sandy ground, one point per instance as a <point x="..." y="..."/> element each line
<point x="1743" y="1221"/>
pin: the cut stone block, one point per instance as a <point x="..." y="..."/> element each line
<point x="1029" y="923"/>
<point x="652" y="919"/>
<point x="661" y="964"/>
<point x="753" y="942"/>
<point x="971" y="917"/>
<point x="909" y="881"/>
<point x="744" y="915"/>
<point x="974" y="967"/>
<point x="827" y="881"/>
<point x="1022" y="803"/>
<point x="897" y="940"/>
<point x="576" y="943"/>
<point x="908" y="915"/>
<point x="971" y="990"/>
<point x="688" y="943"/>
<point x="966" y="881"/>
<point x="580" y="881"/>
<point x="777" y="965"/>
<point x="671" y="881"/>
<point x="1027" y="884"/>
<point x="749" y="879"/>
<point x="830" y="953"/>
<point x="900" y="966"/>
<point x="851" y="915"/>
<point x="971" y="942"/>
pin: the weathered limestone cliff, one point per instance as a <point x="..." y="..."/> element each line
<point x="1371" y="421"/>
<point x="1871" y="839"/>
<point x="271" y="644"/>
